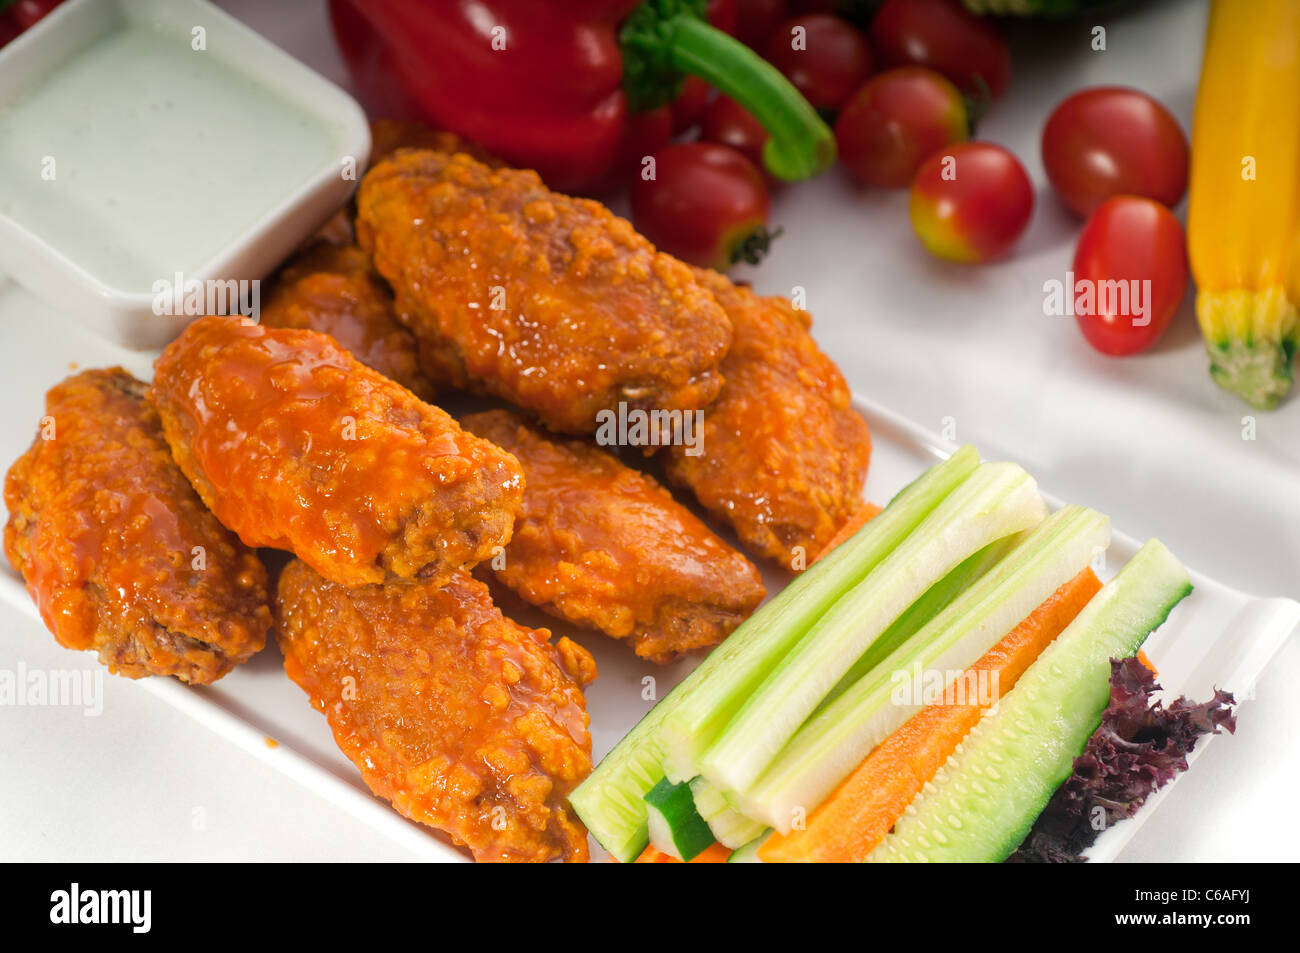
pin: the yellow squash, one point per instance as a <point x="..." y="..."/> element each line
<point x="1243" y="225"/>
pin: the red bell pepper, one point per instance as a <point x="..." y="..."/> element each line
<point x="556" y="85"/>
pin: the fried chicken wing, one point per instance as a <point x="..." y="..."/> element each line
<point x="784" y="454"/>
<point x="117" y="549"/>
<point x="461" y="718"/>
<point x="550" y="302"/>
<point x="607" y="547"/>
<point x="333" y="289"/>
<point x="294" y="444"/>
<point x="386" y="137"/>
<point x="389" y="135"/>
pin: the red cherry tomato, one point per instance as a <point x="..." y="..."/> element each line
<point x="26" y="13"/>
<point x="645" y="134"/>
<point x="1132" y="263"/>
<point x="8" y="28"/>
<point x="690" y="104"/>
<point x="971" y="202"/>
<point x="946" y="37"/>
<point x="707" y="204"/>
<point x="731" y="124"/>
<point x="725" y="15"/>
<point x="1111" y="140"/>
<point x="826" y="57"/>
<point x="756" y="19"/>
<point x="897" y="120"/>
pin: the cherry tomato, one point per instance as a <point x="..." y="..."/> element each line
<point x="707" y="204"/>
<point x="725" y="15"/>
<point x="946" y="37"/>
<point x="26" y="13"/>
<point x="8" y="28"/>
<point x="645" y="134"/>
<point x="826" y="57"/>
<point x="1111" y="140"/>
<point x="689" y="106"/>
<point x="731" y="124"/>
<point x="756" y="19"/>
<point x="971" y="202"/>
<point x="1132" y="261"/>
<point x="896" y="121"/>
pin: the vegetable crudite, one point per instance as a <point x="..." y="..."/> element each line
<point x="920" y="693"/>
<point x="610" y="802"/>
<point x="998" y="499"/>
<point x="868" y="803"/>
<point x="828" y="746"/>
<point x="982" y="803"/>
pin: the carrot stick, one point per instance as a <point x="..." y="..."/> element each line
<point x="855" y="523"/>
<point x="861" y="811"/>
<point x="713" y="854"/>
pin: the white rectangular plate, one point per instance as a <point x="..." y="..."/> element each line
<point x="1217" y="637"/>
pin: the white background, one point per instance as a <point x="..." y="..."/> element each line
<point x="1149" y="440"/>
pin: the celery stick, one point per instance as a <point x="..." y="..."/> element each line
<point x="730" y="828"/>
<point x="719" y="685"/>
<point x="998" y="499"/>
<point x="833" y="743"/>
<point x="936" y="599"/>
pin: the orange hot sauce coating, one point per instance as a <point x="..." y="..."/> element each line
<point x="117" y="549"/>
<point x="461" y="718"/>
<point x="295" y="444"/>
<point x="607" y="547"/>
<point x="550" y="302"/>
<point x="333" y="289"/>
<point x="785" y="454"/>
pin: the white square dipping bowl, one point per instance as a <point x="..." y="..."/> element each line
<point x="260" y="233"/>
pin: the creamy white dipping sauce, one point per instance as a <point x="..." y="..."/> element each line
<point x="160" y="154"/>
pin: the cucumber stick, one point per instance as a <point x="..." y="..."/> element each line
<point x="730" y="827"/>
<point x="833" y="743"/>
<point x="748" y="854"/>
<point x="995" y="501"/>
<point x="983" y="801"/>
<point x="675" y="827"/>
<point x="722" y="682"/>
<point x="611" y="801"/>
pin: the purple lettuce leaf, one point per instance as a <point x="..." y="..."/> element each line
<point x="1139" y="747"/>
